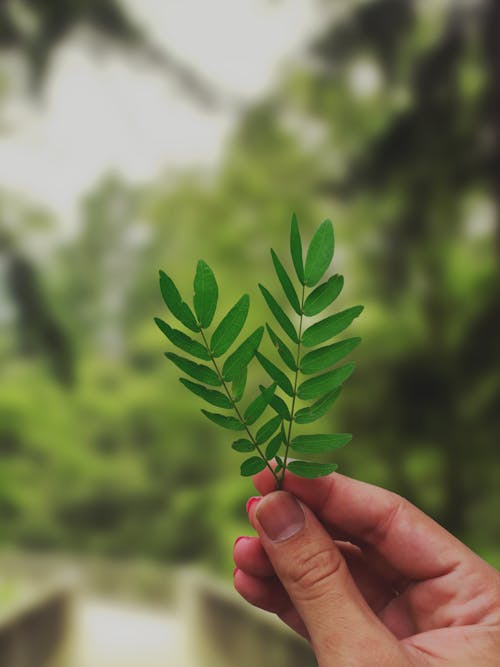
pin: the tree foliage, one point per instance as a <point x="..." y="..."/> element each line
<point x="407" y="168"/>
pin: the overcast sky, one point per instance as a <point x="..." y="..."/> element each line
<point x="101" y="114"/>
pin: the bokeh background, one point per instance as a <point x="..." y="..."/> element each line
<point x="145" y="134"/>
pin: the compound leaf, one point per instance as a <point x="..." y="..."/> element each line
<point x="275" y="373"/>
<point x="197" y="371"/>
<point x="230" y="326"/>
<point x="252" y="466"/>
<point x="283" y="350"/>
<point x="322" y="384"/>
<point x="279" y="405"/>
<point x="206" y="294"/>
<point x="280" y="315"/>
<point x="238" y="385"/>
<point x="266" y="431"/>
<point x="311" y="469"/>
<point x="273" y="447"/>
<point x="175" y="304"/>
<point x="319" y="253"/>
<point x="330" y="326"/>
<point x="179" y="339"/>
<point x="318" y="409"/>
<point x="223" y="420"/>
<point x="319" y="444"/>
<point x="323" y="357"/>
<point x="296" y="249"/>
<point x="243" y="446"/>
<point x="323" y="295"/>
<point x="257" y="406"/>
<point x="286" y="283"/>
<point x="241" y="357"/>
<point x="212" y="396"/>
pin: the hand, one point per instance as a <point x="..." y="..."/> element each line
<point x="366" y="577"/>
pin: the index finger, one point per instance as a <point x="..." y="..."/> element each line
<point x="408" y="540"/>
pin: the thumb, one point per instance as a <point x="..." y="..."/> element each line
<point x="342" y="628"/>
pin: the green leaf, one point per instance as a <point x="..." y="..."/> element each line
<point x="196" y="371"/>
<point x="223" y="420"/>
<point x="283" y="350"/>
<point x="311" y="469"/>
<point x="242" y="356"/>
<point x="182" y="341"/>
<point x="319" y="254"/>
<point x="279" y="405"/>
<point x="243" y="446"/>
<point x="252" y="466"/>
<point x="279" y="464"/>
<point x="329" y="327"/>
<point x="280" y="315"/>
<point x="322" y="358"/>
<point x="319" y="444"/>
<point x="229" y="328"/>
<point x="211" y="396"/>
<point x="323" y="295"/>
<point x="239" y="384"/>
<point x="206" y="294"/>
<point x="318" y="409"/>
<point x="286" y="283"/>
<point x="273" y="447"/>
<point x="257" y="407"/>
<point x="296" y="249"/>
<point x="322" y="384"/>
<point x="175" y="304"/>
<point x="275" y="373"/>
<point x="266" y="431"/>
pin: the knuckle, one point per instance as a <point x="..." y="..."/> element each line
<point x="312" y="572"/>
<point x="377" y="534"/>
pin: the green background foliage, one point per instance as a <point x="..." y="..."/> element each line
<point x="102" y="451"/>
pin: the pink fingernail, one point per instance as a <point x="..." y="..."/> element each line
<point x="238" y="539"/>
<point x="281" y="516"/>
<point x="251" y="502"/>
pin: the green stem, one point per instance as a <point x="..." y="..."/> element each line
<point x="294" y="398"/>
<point x="235" y="407"/>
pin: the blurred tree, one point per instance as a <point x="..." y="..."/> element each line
<point x="39" y="330"/>
<point x="428" y="154"/>
<point x="102" y="266"/>
<point x="392" y="130"/>
<point x="36" y="27"/>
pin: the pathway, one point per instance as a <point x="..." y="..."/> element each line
<point x="110" y="634"/>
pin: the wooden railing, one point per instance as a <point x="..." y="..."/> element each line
<point x="228" y="632"/>
<point x="35" y="629"/>
<point x="220" y="629"/>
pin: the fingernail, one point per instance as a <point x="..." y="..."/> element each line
<point x="251" y="502"/>
<point x="238" y="539"/>
<point x="235" y="571"/>
<point x="280" y="516"/>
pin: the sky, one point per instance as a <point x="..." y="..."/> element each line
<point x="109" y="113"/>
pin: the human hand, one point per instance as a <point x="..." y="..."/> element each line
<point x="366" y="577"/>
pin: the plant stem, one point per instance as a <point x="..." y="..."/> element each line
<point x="235" y="407"/>
<point x="292" y="411"/>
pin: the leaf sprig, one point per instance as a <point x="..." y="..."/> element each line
<point x="228" y="375"/>
<point x="269" y="443"/>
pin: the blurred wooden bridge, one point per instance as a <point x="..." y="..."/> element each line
<point x="54" y="613"/>
<point x="109" y="634"/>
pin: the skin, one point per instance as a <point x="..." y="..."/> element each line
<point x="368" y="578"/>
